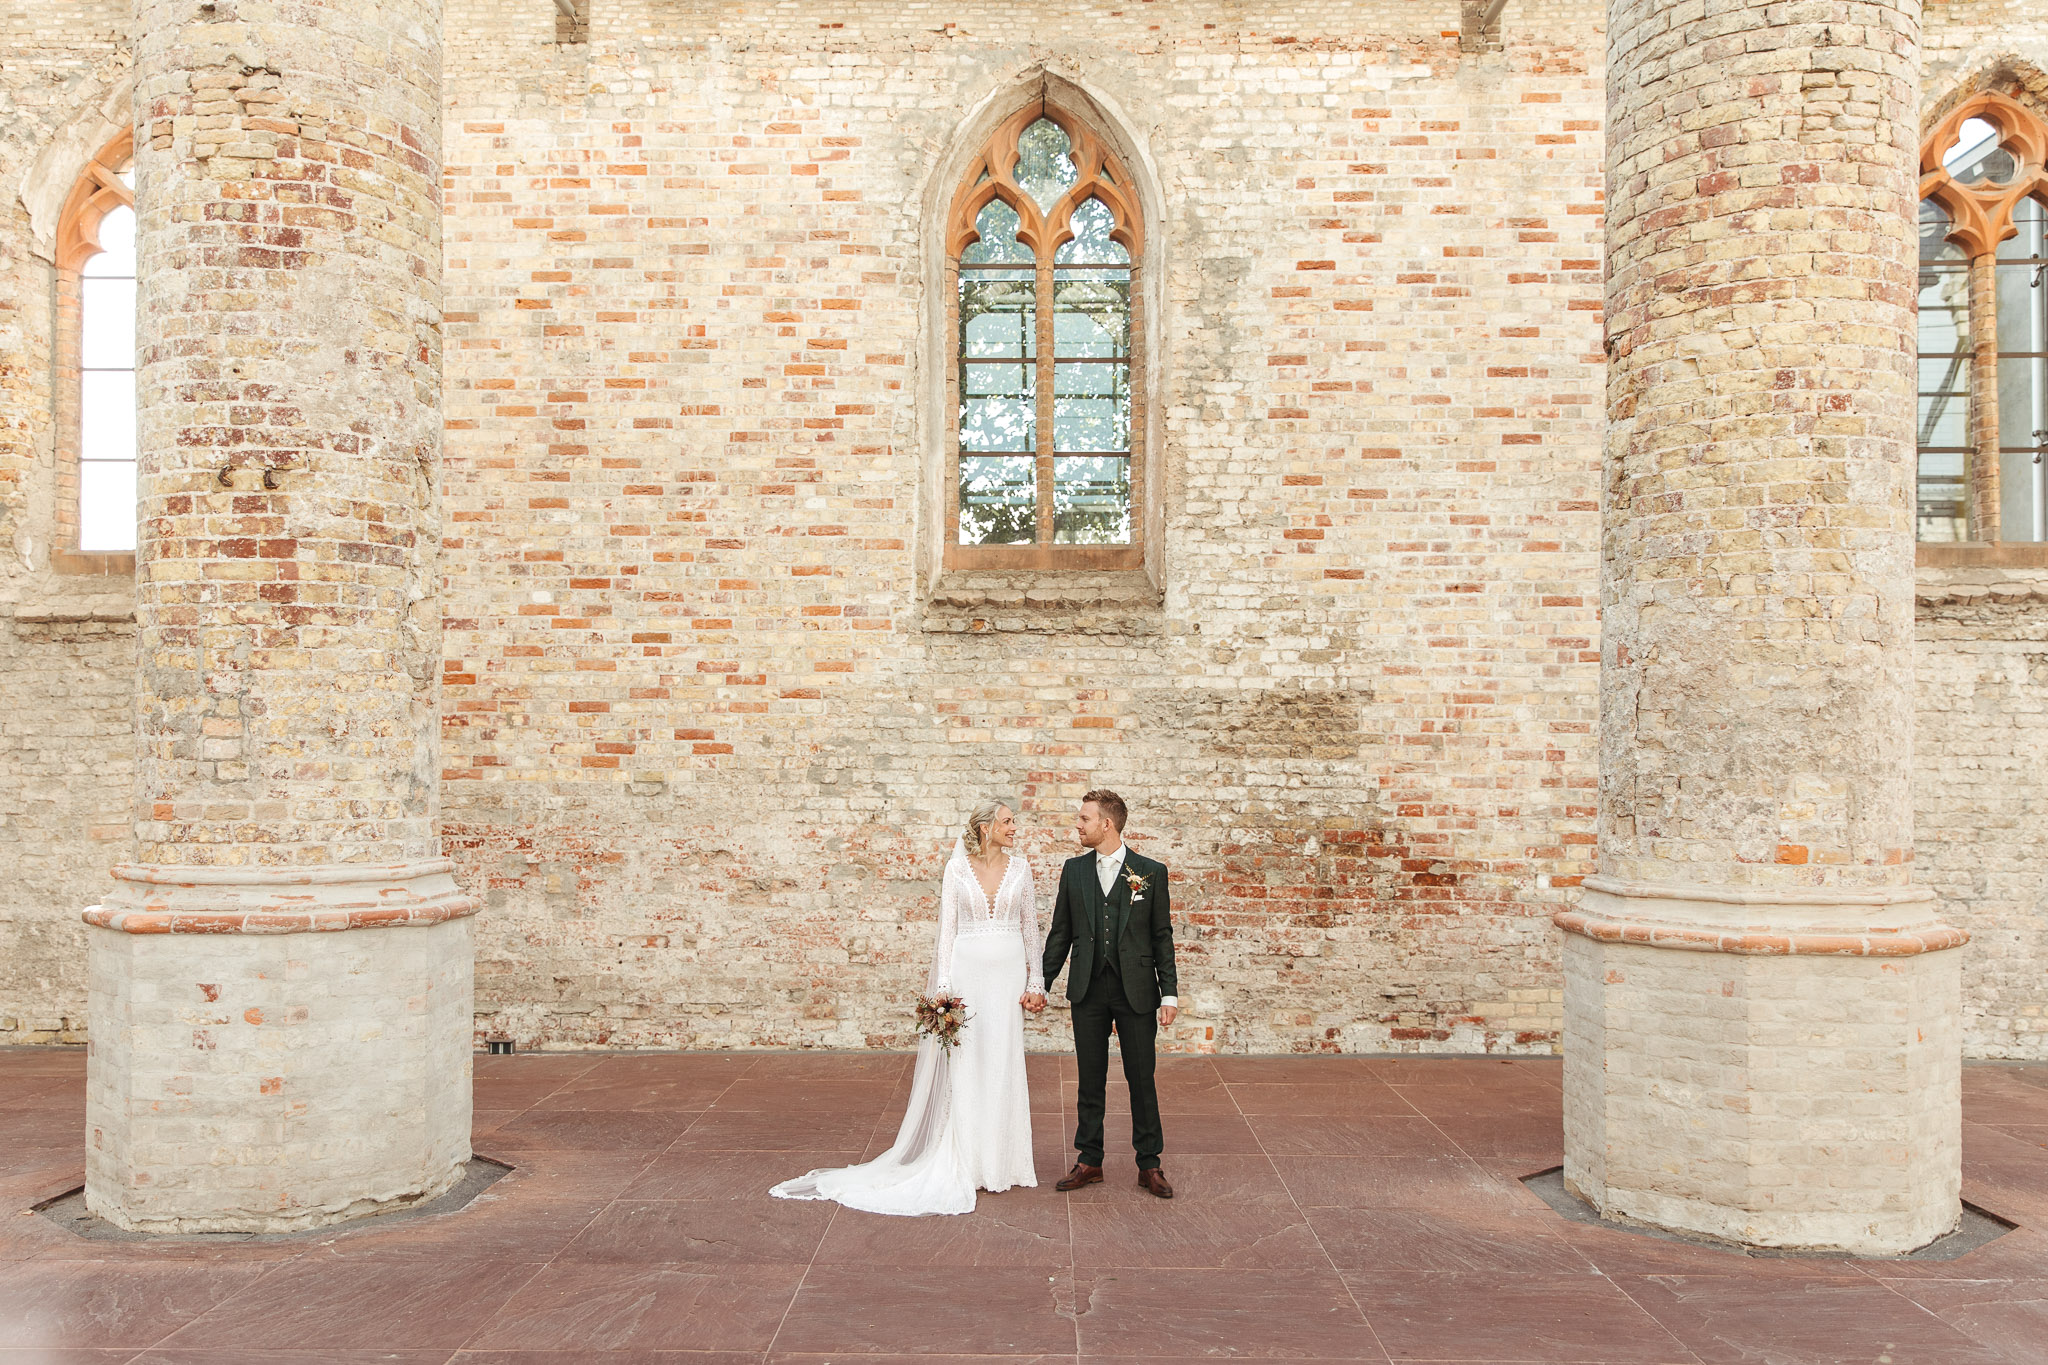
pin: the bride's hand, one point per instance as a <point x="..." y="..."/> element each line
<point x="1032" y="1000"/>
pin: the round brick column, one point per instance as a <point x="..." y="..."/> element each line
<point x="281" y="988"/>
<point x="1762" y="1038"/>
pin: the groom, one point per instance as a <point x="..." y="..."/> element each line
<point x="1112" y="912"/>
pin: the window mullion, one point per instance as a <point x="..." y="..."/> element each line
<point x="1046" y="378"/>
<point x="1984" y="474"/>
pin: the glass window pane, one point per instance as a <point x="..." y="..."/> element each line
<point x="1945" y="401"/>
<point x="1044" y="170"/>
<point x="1944" y="310"/>
<point x="998" y="500"/>
<point x="2022" y="401"/>
<point x="2019" y="495"/>
<point x="106" y="415"/>
<point x="106" y="505"/>
<point x="1091" y="500"/>
<point x="2031" y="218"/>
<point x="997" y="223"/>
<point x="1091" y="313"/>
<point x="1091" y="406"/>
<point x="108" y="331"/>
<point x="998" y="407"/>
<point x="116" y="256"/>
<point x="1091" y="245"/>
<point x="2022" y="323"/>
<point x="998" y="313"/>
<point x="1977" y="156"/>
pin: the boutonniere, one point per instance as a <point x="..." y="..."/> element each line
<point x="1138" y="885"/>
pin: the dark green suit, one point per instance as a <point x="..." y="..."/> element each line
<point x="1122" y="950"/>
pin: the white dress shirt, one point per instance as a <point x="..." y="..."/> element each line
<point x="1108" y="867"/>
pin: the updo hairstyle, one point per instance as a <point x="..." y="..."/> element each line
<point x="984" y="815"/>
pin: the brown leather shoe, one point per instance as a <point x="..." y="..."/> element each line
<point x="1155" y="1181"/>
<point x="1082" y="1174"/>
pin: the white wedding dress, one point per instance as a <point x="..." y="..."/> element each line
<point x="968" y="1124"/>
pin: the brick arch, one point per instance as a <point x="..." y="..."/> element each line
<point x="103" y="114"/>
<point x="96" y="192"/>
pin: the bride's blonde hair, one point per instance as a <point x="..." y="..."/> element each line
<point x="984" y="815"/>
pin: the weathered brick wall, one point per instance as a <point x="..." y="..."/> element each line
<point x="1980" y="794"/>
<point x="1364" y="782"/>
<point x="67" y="645"/>
<point x="1981" y="748"/>
<point x="1967" y="45"/>
<point x="706" y="743"/>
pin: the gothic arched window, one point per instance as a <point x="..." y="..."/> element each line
<point x="95" y="346"/>
<point x="1983" y="420"/>
<point x="1043" y="249"/>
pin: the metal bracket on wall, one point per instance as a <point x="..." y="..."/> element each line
<point x="226" y="475"/>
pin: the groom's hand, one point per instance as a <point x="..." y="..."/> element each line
<point x="1166" y="1014"/>
<point x="1033" y="1001"/>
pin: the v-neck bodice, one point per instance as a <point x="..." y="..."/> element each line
<point x="965" y="908"/>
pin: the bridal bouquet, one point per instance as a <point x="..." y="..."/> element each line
<point x="943" y="1017"/>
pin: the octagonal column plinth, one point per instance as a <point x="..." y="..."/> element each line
<point x="1776" y="1068"/>
<point x="276" y="1048"/>
<point x="1761" y="1032"/>
<point x="280" y="990"/>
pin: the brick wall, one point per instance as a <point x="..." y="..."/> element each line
<point x="707" y="743"/>
<point x="67" y="643"/>
<point x="1981" y="746"/>
<point x="707" y="738"/>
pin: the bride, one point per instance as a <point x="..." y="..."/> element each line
<point x="968" y="1125"/>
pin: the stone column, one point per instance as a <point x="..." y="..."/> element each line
<point x="1761" y="1011"/>
<point x="281" y="988"/>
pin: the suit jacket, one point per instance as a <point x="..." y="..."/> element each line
<point x="1144" y="949"/>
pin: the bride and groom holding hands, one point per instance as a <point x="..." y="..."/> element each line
<point x="967" y="1126"/>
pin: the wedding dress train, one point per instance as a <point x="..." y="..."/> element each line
<point x="968" y="1123"/>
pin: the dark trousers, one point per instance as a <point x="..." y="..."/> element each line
<point x="1136" y="1031"/>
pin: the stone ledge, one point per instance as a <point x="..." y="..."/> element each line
<point x="1123" y="602"/>
<point x="1793" y="921"/>
<point x="1763" y="943"/>
<point x="2004" y="554"/>
<point x="94" y="563"/>
<point x="155" y="899"/>
<point x="2010" y="594"/>
<point x="1982" y="582"/>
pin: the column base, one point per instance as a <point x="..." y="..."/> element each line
<point x="1778" y="1069"/>
<point x="276" y="1049"/>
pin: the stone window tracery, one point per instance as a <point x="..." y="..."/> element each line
<point x="1983" y="412"/>
<point x="1043" y="249"/>
<point x="95" y="347"/>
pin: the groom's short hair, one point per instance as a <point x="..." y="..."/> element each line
<point x="1111" y="805"/>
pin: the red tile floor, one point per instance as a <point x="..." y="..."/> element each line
<point x="1330" y="1208"/>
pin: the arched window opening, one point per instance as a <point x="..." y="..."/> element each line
<point x="2021" y="297"/>
<point x="1983" y="428"/>
<point x="1046" y="468"/>
<point x="96" y="357"/>
<point x="1942" y="511"/>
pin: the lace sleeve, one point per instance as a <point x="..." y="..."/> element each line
<point x="1033" y="948"/>
<point x="950" y="891"/>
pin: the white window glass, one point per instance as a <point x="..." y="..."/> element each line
<point x="2022" y="283"/>
<point x="1944" y="380"/>
<point x="106" y="423"/>
<point x="1092" y="383"/>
